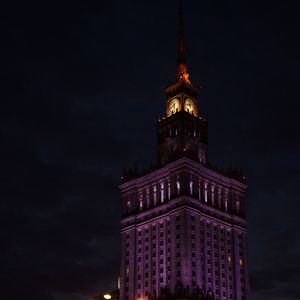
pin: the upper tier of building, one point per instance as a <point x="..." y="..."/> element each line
<point x="183" y="177"/>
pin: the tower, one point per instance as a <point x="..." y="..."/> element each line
<point x="183" y="226"/>
<point x="182" y="128"/>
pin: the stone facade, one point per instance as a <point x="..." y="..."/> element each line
<point x="183" y="225"/>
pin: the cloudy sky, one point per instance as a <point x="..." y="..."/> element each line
<point x="82" y="87"/>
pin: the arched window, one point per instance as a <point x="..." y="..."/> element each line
<point x="226" y="205"/>
<point x="226" y="201"/>
<point x="202" y="156"/>
<point x="141" y="200"/>
<point x="141" y="204"/>
<point x="213" y="195"/>
<point x="128" y="206"/>
<point x="220" y="197"/>
<point x="205" y="192"/>
<point x="199" y="189"/>
<point x="169" y="190"/>
<point x="178" y="186"/>
<point x="162" y="193"/>
<point x="147" y="198"/>
<point x="154" y="195"/>
<point x="191" y="187"/>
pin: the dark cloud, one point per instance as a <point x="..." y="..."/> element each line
<point x="81" y="93"/>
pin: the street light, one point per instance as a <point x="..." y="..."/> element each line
<point x="107" y="296"/>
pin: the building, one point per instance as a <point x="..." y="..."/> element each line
<point x="183" y="228"/>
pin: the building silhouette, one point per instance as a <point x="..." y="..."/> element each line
<point x="183" y="228"/>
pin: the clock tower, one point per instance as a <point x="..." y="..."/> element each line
<point x="183" y="130"/>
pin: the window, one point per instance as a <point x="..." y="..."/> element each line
<point x="191" y="187"/>
<point x="147" y="197"/>
<point x="237" y="206"/>
<point x="128" y="206"/>
<point x="178" y="186"/>
<point x="154" y="195"/>
<point x="199" y="189"/>
<point x="205" y="191"/>
<point x="213" y="195"/>
<point x="141" y="204"/>
<point x="162" y="192"/>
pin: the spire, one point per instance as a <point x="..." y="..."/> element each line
<point x="181" y="48"/>
<point x="182" y="69"/>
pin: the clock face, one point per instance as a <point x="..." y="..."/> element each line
<point x="174" y="106"/>
<point x="189" y="106"/>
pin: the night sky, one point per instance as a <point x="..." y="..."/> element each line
<point x="82" y="88"/>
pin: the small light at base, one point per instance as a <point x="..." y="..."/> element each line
<point x="107" y="296"/>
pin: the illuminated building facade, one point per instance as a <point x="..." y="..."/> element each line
<point x="183" y="227"/>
